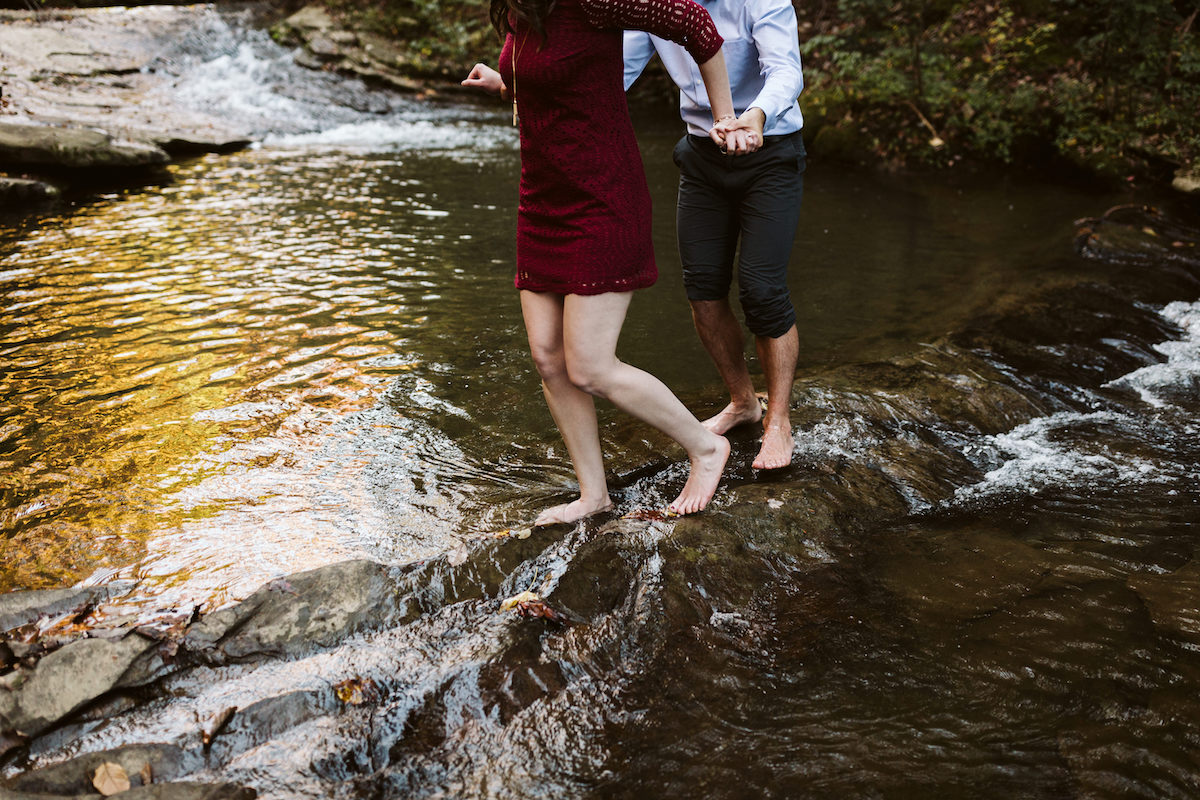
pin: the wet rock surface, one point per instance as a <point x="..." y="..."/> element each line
<point x="83" y="91"/>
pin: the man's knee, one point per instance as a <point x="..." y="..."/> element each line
<point x="768" y="310"/>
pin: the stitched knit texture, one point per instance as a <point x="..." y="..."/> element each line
<point x="583" y="223"/>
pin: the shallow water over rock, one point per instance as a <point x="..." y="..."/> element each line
<point x="979" y="579"/>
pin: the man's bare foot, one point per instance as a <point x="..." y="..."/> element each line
<point x="776" y="450"/>
<point x="733" y="415"/>
<point x="702" y="483"/>
<point x="571" y="512"/>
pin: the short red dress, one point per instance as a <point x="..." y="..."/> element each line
<point x="583" y="223"/>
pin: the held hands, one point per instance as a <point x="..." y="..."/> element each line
<point x="739" y="135"/>
<point x="484" y="77"/>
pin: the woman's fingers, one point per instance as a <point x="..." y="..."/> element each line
<point x="484" y="77"/>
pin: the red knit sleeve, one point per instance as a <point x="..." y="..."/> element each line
<point x="684" y="22"/>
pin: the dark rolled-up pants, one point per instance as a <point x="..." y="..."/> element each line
<point x="753" y="197"/>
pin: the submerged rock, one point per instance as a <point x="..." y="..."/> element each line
<point x="17" y="190"/>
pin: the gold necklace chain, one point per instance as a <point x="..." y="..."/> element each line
<point x="517" y="55"/>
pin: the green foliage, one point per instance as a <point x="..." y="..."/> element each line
<point x="1110" y="84"/>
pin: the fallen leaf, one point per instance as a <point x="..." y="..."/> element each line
<point x="532" y="609"/>
<point x="110" y="779"/>
<point x="355" y="691"/>
<point x="512" y="602"/>
<point x="457" y="556"/>
<point x="216" y="724"/>
<point x="147" y="774"/>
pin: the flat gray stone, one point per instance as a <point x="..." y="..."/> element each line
<point x="44" y="146"/>
<point x="74" y="777"/>
<point x="21" y="608"/>
<point x="66" y="680"/>
<point x="319" y="607"/>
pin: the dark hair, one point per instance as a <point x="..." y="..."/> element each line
<point x="532" y="11"/>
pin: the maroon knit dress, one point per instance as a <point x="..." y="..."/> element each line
<point x="583" y="224"/>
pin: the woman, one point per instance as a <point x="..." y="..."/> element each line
<point x="583" y="226"/>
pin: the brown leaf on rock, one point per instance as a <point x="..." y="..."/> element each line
<point x="355" y="691"/>
<point x="512" y="602"/>
<point x="216" y="723"/>
<point x="147" y="774"/>
<point x="110" y="779"/>
<point x="533" y="609"/>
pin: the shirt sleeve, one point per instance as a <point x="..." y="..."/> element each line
<point x="779" y="60"/>
<point x="638" y="49"/>
<point x="681" y="21"/>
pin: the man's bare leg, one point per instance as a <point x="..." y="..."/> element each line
<point x="721" y="335"/>
<point x="778" y="358"/>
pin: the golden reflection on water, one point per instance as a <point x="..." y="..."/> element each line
<point x="192" y="378"/>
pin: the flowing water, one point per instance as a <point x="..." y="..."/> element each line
<point x="978" y="580"/>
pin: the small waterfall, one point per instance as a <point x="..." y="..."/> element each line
<point x="224" y="64"/>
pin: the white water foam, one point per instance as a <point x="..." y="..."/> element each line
<point x="254" y="84"/>
<point x="1043" y="453"/>
<point x="1047" y="452"/>
<point x="397" y="134"/>
<point x="1164" y="384"/>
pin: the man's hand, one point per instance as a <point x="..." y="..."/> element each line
<point x="744" y="135"/>
<point x="484" y="77"/>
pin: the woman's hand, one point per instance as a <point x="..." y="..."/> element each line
<point x="484" y="77"/>
<point x="740" y="135"/>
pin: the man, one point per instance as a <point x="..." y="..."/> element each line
<point x="751" y="190"/>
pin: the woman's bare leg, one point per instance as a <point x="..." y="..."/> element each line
<point x="573" y="410"/>
<point x="591" y="327"/>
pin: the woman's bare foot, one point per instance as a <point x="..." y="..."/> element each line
<point x="702" y="483"/>
<point x="733" y="415"/>
<point x="776" y="450"/>
<point x="571" y="512"/>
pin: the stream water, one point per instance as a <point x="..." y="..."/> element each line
<point x="978" y="580"/>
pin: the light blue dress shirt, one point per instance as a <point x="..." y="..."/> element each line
<point x="762" y="54"/>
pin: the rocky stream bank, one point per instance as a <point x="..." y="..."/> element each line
<point x="86" y="100"/>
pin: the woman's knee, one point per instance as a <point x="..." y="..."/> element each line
<point x="590" y="375"/>
<point x="551" y="363"/>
